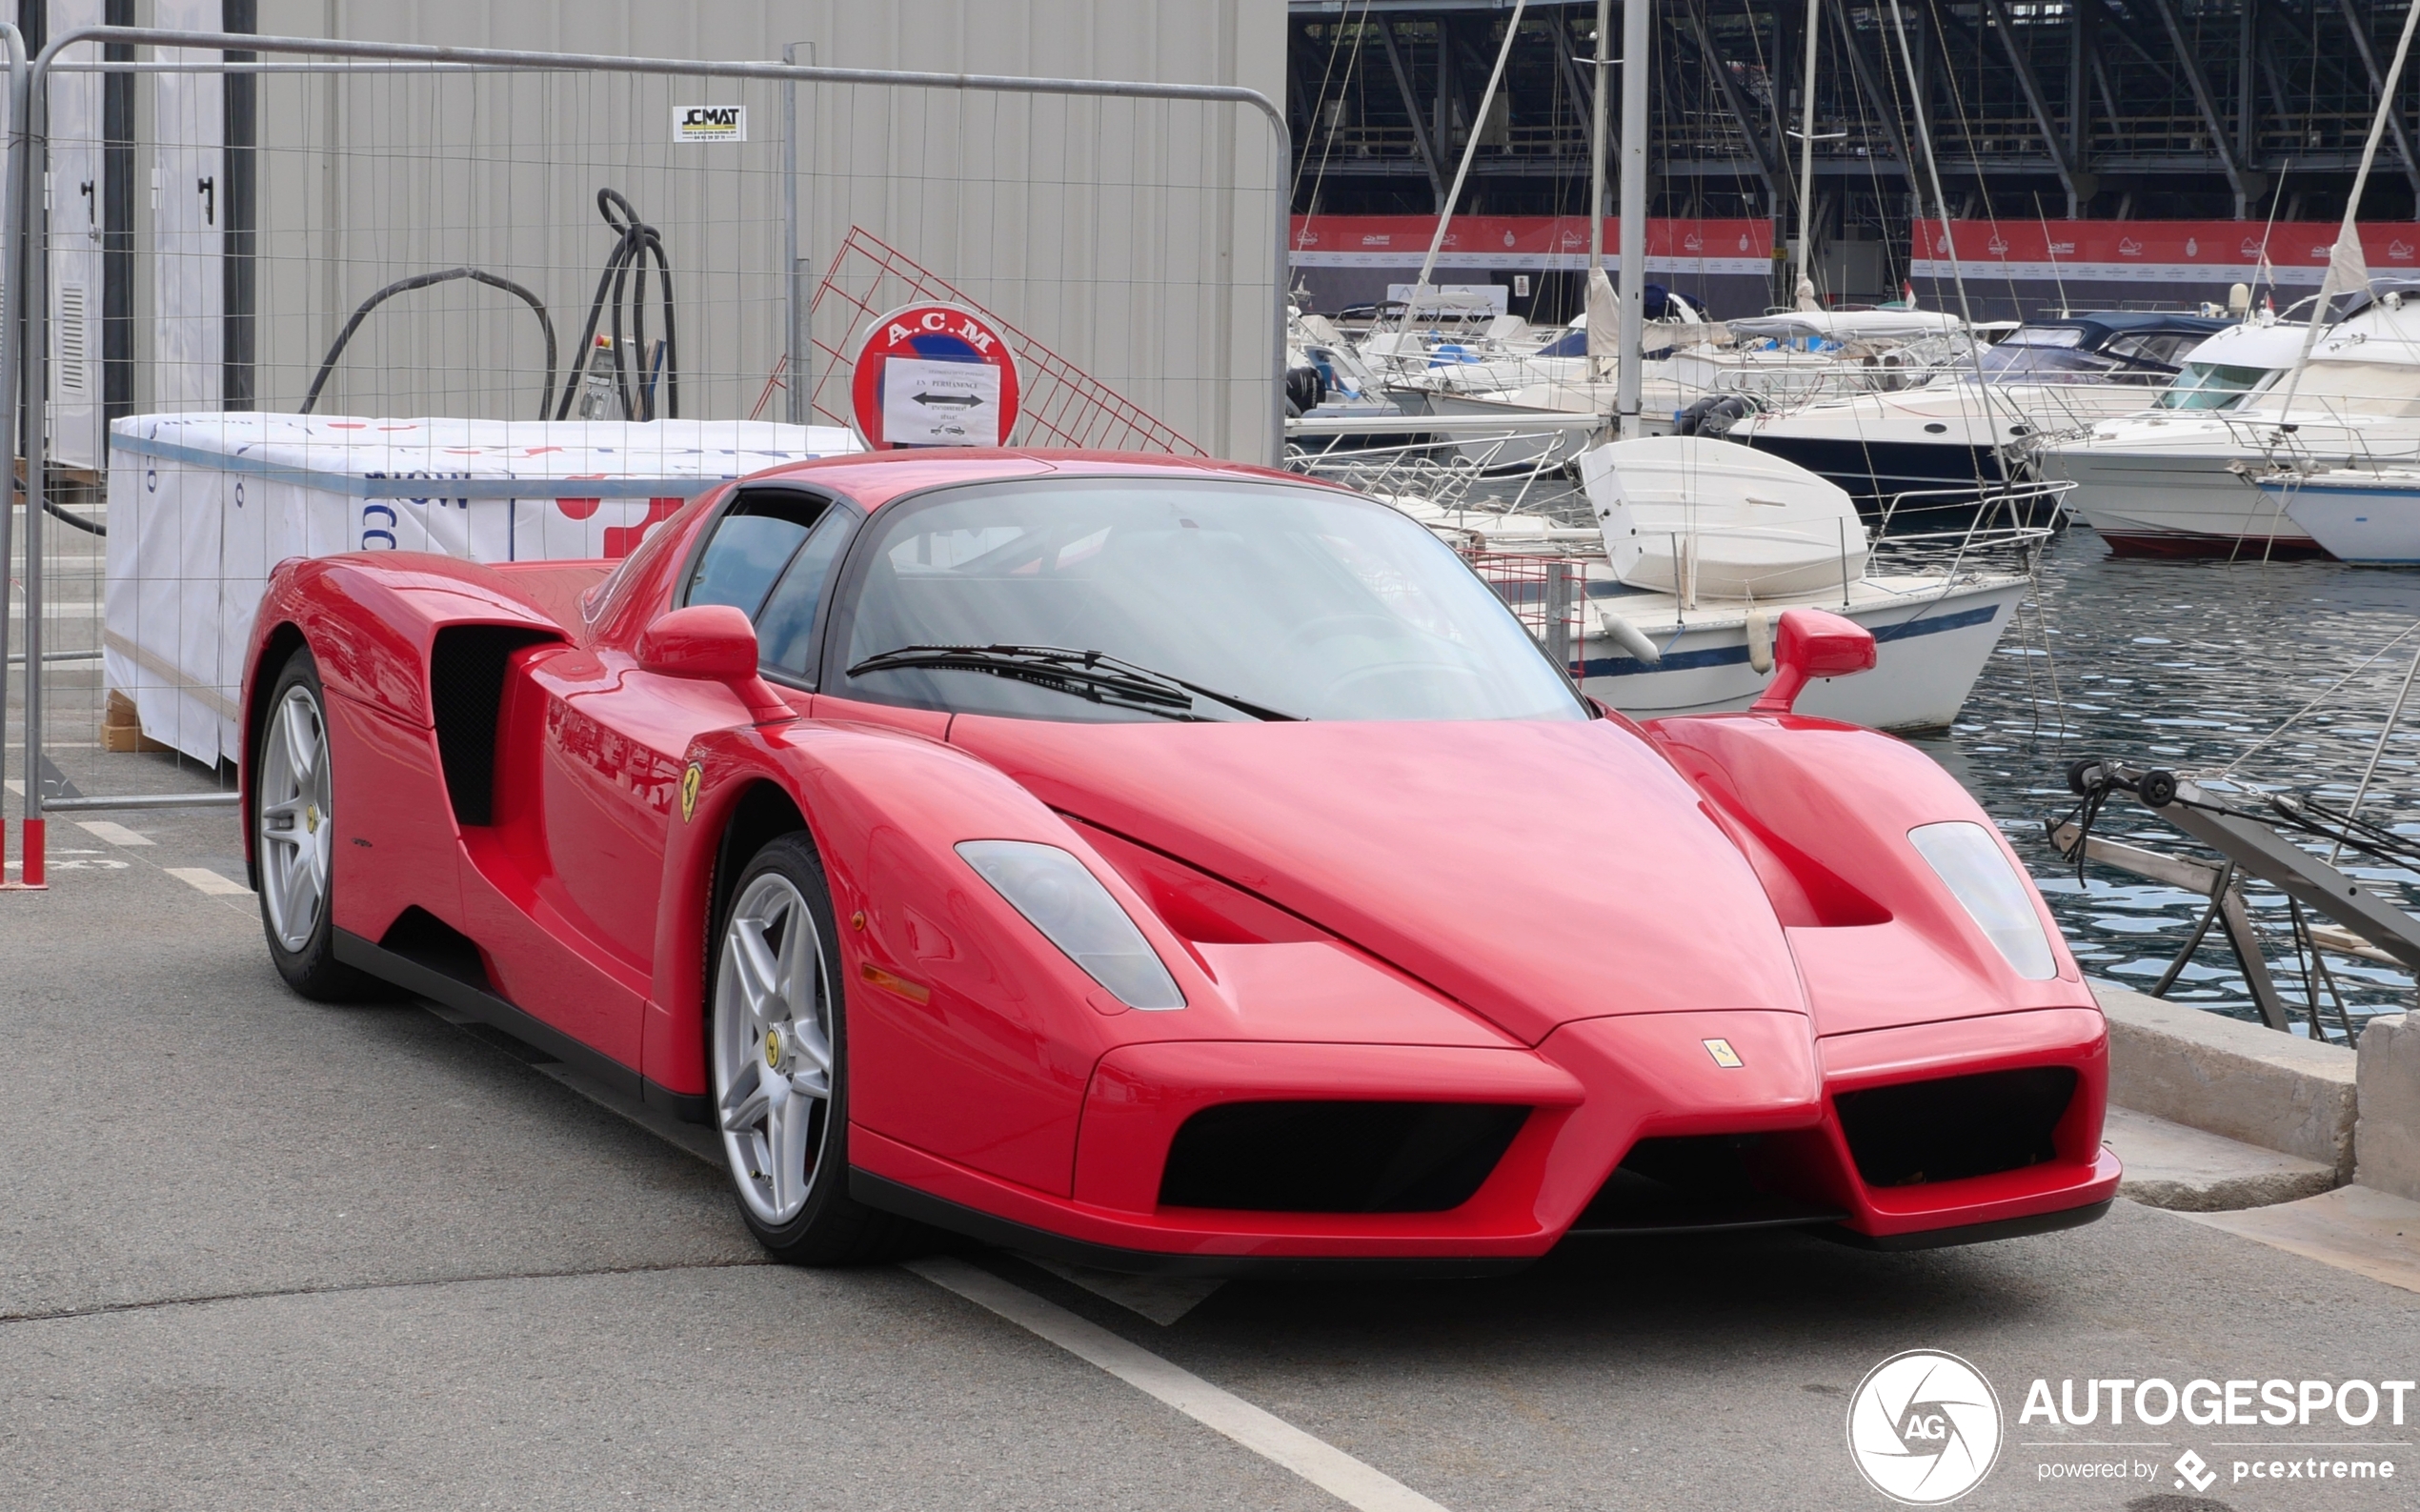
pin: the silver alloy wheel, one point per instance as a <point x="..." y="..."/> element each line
<point x="296" y="821"/>
<point x="772" y="1047"/>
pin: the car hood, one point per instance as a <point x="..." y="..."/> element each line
<point x="1539" y="871"/>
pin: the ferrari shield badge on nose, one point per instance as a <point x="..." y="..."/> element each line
<point x="1721" y="1050"/>
<point x="689" y="781"/>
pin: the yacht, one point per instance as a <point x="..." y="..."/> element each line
<point x="2174" y="480"/>
<point x="1699" y="378"/>
<point x="2367" y="515"/>
<point x="1943" y="441"/>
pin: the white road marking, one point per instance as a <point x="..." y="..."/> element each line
<point x="202" y="879"/>
<point x="1275" y="1440"/>
<point x="115" y="834"/>
<point x="1161" y="1298"/>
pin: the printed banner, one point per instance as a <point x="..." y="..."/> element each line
<point x="1528" y="243"/>
<point x="2212" y="253"/>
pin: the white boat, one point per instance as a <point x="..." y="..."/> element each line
<point x="1933" y="640"/>
<point x="1969" y="431"/>
<point x="1703" y="545"/>
<point x="2366" y="515"/>
<point x="1680" y="384"/>
<point x="2169" y="482"/>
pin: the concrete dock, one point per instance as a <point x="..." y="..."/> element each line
<point x="259" y="1253"/>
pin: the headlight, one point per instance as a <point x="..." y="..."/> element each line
<point x="1067" y="903"/>
<point x="1977" y="872"/>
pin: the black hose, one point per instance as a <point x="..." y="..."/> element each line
<point x="635" y="241"/>
<point x="327" y="363"/>
<point x="89" y="527"/>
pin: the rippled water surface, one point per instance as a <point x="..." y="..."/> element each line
<point x="2186" y="665"/>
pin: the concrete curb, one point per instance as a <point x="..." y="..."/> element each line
<point x="2390" y="1132"/>
<point x="2194" y="1171"/>
<point x="2249" y="1083"/>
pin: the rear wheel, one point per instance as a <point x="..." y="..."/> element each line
<point x="778" y="1049"/>
<point x="294" y="835"/>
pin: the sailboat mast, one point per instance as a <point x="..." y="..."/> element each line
<point x="2345" y="258"/>
<point x="1807" y="156"/>
<point x="1932" y="164"/>
<point x="1597" y="143"/>
<point x="1635" y="17"/>
<point x="1470" y="150"/>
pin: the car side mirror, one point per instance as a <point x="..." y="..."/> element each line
<point x="1812" y="643"/>
<point x="712" y="643"/>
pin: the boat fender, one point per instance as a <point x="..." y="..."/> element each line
<point x="1760" y="640"/>
<point x="1630" y="637"/>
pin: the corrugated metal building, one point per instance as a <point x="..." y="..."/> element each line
<point x="212" y="234"/>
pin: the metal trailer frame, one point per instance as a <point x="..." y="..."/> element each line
<point x="25" y="342"/>
<point x="2252" y="848"/>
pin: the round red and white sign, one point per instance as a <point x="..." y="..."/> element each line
<point x="934" y="374"/>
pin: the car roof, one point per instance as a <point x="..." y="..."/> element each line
<point x="873" y="479"/>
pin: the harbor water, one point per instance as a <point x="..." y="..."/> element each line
<point x="2189" y="665"/>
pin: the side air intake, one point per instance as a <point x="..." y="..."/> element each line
<point x="1337" y="1157"/>
<point x="466" y="694"/>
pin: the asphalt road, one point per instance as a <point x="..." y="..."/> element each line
<point x="259" y="1253"/>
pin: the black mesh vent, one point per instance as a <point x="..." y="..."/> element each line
<point x="1691" y="1184"/>
<point x="466" y="691"/>
<point x="1957" y="1127"/>
<point x="1337" y="1157"/>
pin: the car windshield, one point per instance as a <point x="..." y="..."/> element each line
<point x="2211" y="386"/>
<point x="1306" y="601"/>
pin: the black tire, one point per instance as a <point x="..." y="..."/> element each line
<point x="829" y="1227"/>
<point x="305" y="957"/>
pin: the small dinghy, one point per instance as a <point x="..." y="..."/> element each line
<point x="1708" y="519"/>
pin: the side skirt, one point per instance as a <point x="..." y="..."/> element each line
<point x="477" y="1003"/>
<point x="892" y="1196"/>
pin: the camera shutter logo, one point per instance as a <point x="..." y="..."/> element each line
<point x="1923" y="1427"/>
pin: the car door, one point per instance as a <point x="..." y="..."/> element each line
<point x="615" y="735"/>
<point x="565" y="877"/>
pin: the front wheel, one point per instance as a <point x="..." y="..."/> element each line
<point x="294" y="837"/>
<point x="778" y="1049"/>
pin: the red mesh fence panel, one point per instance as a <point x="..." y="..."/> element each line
<point x="1063" y="405"/>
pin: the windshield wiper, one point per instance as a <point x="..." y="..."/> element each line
<point x="1091" y="675"/>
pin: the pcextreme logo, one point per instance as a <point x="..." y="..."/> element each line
<point x="1923" y="1427"/>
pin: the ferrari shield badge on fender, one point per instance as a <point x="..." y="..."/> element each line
<point x="1721" y="1050"/>
<point x="689" y="781"/>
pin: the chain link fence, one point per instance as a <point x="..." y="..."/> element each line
<point x="307" y="297"/>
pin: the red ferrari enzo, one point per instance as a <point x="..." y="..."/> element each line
<point x="1163" y="865"/>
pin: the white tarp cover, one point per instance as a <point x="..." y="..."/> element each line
<point x="1848" y="325"/>
<point x="202" y="506"/>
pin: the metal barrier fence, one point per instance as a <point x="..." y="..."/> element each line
<point x="663" y="262"/>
